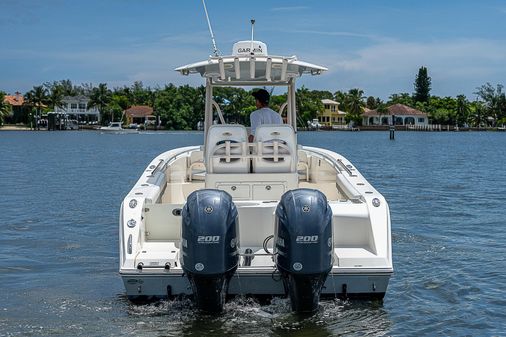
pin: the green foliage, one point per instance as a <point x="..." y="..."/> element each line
<point x="37" y="98"/>
<point x="339" y="96"/>
<point x="494" y="101"/>
<point x="422" y="86"/>
<point x="181" y="108"/>
<point x="5" y="109"/>
<point x="309" y="104"/>
<point x="236" y="104"/>
<point x="373" y="102"/>
<point x="382" y="108"/>
<point x="401" y="98"/>
<point x="443" y="110"/>
<point x="100" y="97"/>
<point x="354" y="105"/>
<point x="478" y="114"/>
<point x="462" y="110"/>
<point x="55" y="94"/>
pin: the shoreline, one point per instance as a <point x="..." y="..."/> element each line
<point x="15" y="128"/>
<point x="362" y="128"/>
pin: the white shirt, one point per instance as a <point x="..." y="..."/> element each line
<point x="264" y="116"/>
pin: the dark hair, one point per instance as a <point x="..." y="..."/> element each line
<point x="261" y="95"/>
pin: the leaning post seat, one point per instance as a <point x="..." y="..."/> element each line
<point x="276" y="150"/>
<point x="226" y="149"/>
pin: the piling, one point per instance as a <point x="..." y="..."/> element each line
<point x="392" y="128"/>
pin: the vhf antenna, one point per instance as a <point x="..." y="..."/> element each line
<point x="215" y="49"/>
<point x="252" y="33"/>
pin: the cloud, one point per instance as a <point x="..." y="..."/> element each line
<point x="337" y="33"/>
<point x="379" y="65"/>
<point x="152" y="64"/>
<point x="455" y="66"/>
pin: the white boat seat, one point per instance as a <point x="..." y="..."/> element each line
<point x="196" y="166"/>
<point x="303" y="166"/>
<point x="226" y="149"/>
<point x="276" y="150"/>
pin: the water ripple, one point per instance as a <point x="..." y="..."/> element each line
<point x="59" y="246"/>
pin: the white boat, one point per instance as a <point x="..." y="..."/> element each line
<point x="267" y="218"/>
<point x="116" y="127"/>
<point x="314" y="125"/>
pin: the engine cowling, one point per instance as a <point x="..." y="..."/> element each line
<point x="210" y="252"/>
<point x="303" y="246"/>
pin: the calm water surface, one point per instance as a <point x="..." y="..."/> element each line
<point x="60" y="194"/>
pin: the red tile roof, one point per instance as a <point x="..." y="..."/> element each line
<point x="14" y="100"/>
<point x="139" y="111"/>
<point x="398" y="110"/>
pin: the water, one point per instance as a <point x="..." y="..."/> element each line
<point x="59" y="200"/>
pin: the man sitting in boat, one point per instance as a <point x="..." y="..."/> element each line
<point x="263" y="114"/>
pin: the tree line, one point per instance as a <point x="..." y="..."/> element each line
<point x="182" y="107"/>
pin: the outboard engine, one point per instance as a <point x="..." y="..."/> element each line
<point x="304" y="246"/>
<point x="210" y="252"/>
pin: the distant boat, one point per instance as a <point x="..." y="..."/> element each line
<point x="115" y="127"/>
<point x="314" y="124"/>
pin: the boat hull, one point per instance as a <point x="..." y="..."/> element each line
<point x="142" y="286"/>
<point x="150" y="226"/>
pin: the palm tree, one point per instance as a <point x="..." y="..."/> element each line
<point x="354" y="103"/>
<point x="55" y="96"/>
<point x="152" y="103"/>
<point x="462" y="110"/>
<point x="100" y="97"/>
<point x="38" y="98"/>
<point x="480" y="112"/>
<point x="67" y="88"/>
<point x="5" y="108"/>
<point x="382" y="111"/>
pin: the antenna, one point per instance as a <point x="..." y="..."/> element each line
<point x="252" y="34"/>
<point x="215" y="49"/>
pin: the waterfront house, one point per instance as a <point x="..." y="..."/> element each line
<point x="14" y="100"/>
<point x="331" y="115"/>
<point x="404" y="115"/>
<point x="18" y="112"/>
<point x="139" y="114"/>
<point x="76" y="108"/>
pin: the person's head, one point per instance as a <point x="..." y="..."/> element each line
<point x="262" y="97"/>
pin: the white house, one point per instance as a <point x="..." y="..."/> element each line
<point x="76" y="107"/>
<point x="404" y="115"/>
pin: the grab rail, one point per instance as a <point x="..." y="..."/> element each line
<point x="350" y="191"/>
<point x="218" y="110"/>
<point x="157" y="167"/>
<point x="168" y="162"/>
<point x="346" y="168"/>
<point x="332" y="162"/>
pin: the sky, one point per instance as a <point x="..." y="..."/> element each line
<point x="377" y="46"/>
